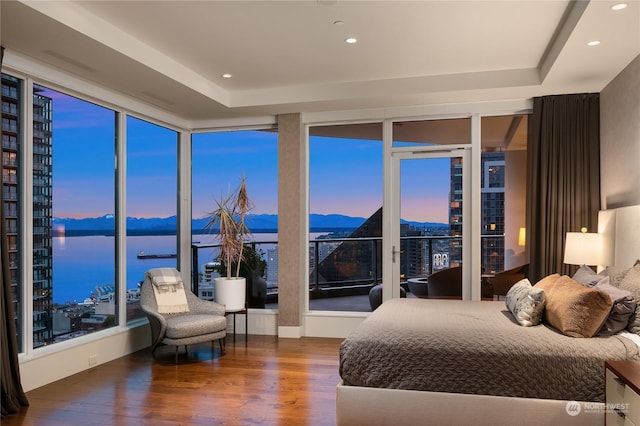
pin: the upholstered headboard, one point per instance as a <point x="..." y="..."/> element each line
<point x="621" y="233"/>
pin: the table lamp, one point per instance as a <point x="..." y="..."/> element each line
<point x="583" y="248"/>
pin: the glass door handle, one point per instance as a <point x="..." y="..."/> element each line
<point x="394" y="252"/>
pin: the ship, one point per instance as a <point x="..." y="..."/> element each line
<point x="143" y="255"/>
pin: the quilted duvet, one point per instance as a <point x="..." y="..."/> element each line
<point x="475" y="348"/>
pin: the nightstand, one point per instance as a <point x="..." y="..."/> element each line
<point x="622" y="393"/>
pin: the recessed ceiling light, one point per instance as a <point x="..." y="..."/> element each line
<point x="351" y="40"/>
<point x="338" y="22"/>
<point x="227" y="75"/>
<point x="618" y="6"/>
<point x="593" y="43"/>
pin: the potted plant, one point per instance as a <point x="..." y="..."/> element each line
<point x="253" y="267"/>
<point x="229" y="219"/>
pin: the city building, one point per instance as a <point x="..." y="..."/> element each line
<point x="208" y="275"/>
<point x="42" y="201"/>
<point x="272" y="267"/>
<point x="493" y="212"/>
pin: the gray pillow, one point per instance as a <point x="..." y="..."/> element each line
<point x="525" y="302"/>
<point x="631" y="283"/>
<point x="585" y="275"/>
<point x="615" y="274"/>
<point x="624" y="305"/>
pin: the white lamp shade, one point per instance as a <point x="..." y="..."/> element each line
<point x="582" y="248"/>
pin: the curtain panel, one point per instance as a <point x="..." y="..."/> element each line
<point x="13" y="397"/>
<point x="564" y="177"/>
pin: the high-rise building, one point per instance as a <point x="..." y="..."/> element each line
<point x="11" y="116"/>
<point x="42" y="220"/>
<point x="455" y="213"/>
<point x="12" y="143"/>
<point x="492" y="217"/>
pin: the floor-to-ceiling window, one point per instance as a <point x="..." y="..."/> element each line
<point x="152" y="204"/>
<point x="219" y="160"/>
<point x="503" y="197"/>
<point x="430" y="204"/>
<point x="345" y="223"/>
<point x="74" y="280"/>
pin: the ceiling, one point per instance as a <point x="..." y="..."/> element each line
<point x="291" y="56"/>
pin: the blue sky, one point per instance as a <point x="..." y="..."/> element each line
<point x="151" y="169"/>
<point x="83" y="153"/>
<point x="345" y="174"/>
<point x="219" y="160"/>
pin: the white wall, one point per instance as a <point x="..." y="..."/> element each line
<point x="620" y="139"/>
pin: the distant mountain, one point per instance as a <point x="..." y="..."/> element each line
<point x="424" y="224"/>
<point x="105" y="225"/>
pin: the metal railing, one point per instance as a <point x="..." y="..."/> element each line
<point x="195" y="262"/>
<point x="360" y="259"/>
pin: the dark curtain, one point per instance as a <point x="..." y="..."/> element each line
<point x="13" y="396"/>
<point x="564" y="177"/>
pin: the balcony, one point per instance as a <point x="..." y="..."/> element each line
<point x="350" y="267"/>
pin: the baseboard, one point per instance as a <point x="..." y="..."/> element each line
<point x="294" y="332"/>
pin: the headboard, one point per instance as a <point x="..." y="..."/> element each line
<point x="621" y="235"/>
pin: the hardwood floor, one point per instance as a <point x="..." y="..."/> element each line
<point x="269" y="381"/>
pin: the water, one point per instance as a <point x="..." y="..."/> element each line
<point x="82" y="263"/>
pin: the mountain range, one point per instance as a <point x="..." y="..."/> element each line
<point x="263" y="223"/>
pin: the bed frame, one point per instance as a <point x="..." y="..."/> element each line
<point x="377" y="406"/>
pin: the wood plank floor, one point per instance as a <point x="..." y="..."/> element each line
<point x="268" y="381"/>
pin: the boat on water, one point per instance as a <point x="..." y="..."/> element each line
<point x="143" y="255"/>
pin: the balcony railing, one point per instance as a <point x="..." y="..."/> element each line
<point x="353" y="265"/>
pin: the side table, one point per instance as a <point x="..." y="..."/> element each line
<point x="622" y="392"/>
<point x="244" y="312"/>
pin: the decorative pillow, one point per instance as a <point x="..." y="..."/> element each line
<point x="525" y="302"/>
<point x="574" y="309"/>
<point x="585" y="275"/>
<point x="631" y="283"/>
<point x="624" y="305"/>
<point x="615" y="274"/>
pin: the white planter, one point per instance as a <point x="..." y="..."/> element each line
<point x="231" y="292"/>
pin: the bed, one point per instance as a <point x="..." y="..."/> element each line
<point x="421" y="361"/>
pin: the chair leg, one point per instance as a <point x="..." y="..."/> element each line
<point x="177" y="354"/>
<point x="221" y="341"/>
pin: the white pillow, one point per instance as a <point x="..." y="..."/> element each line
<point x="525" y="302"/>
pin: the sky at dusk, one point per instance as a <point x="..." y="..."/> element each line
<point x="219" y="160"/>
<point x="424" y="188"/>
<point x="345" y="175"/>
<point x="83" y="157"/>
<point x="151" y="169"/>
